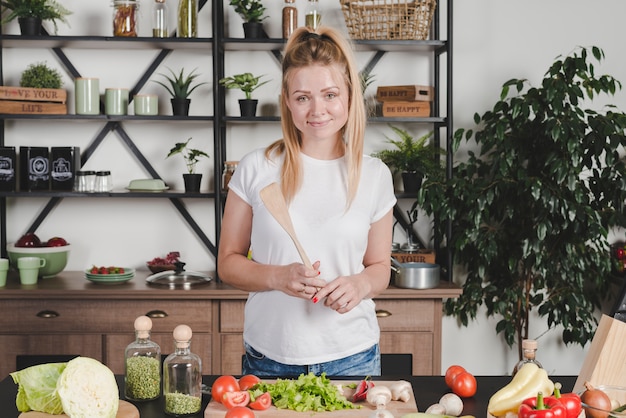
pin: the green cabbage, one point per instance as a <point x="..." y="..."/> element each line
<point x="88" y="389"/>
<point x="37" y="388"/>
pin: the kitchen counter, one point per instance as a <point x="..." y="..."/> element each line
<point x="70" y="284"/>
<point x="427" y="390"/>
<point x="69" y="315"/>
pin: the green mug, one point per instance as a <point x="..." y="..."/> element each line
<point x="29" y="269"/>
<point x="4" y="269"/>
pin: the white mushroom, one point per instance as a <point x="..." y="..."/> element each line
<point x="452" y="403"/>
<point x="436" y="409"/>
<point x="378" y="396"/>
<point x="381" y="413"/>
<point x="401" y="391"/>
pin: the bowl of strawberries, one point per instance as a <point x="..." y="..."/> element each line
<point x="159" y="264"/>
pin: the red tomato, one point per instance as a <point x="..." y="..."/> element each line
<point x="247" y="381"/>
<point x="451" y="374"/>
<point x="464" y="385"/>
<point x="223" y="384"/>
<point x="262" y="402"/>
<point x="238" y="398"/>
<point x="240" y="412"/>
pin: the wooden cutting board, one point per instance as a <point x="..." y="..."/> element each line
<point x="397" y="408"/>
<point x="125" y="410"/>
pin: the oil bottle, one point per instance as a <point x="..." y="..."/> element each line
<point x="529" y="352"/>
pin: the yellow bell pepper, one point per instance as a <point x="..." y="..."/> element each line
<point x="529" y="380"/>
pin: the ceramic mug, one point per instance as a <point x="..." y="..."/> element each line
<point x="146" y="104"/>
<point x="116" y="101"/>
<point x="87" y="96"/>
<point x="29" y="269"/>
<point x="4" y="269"/>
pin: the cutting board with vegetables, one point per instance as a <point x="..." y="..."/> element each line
<point x="125" y="410"/>
<point x="397" y="408"/>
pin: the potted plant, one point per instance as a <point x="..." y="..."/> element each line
<point x="530" y="214"/>
<point x="251" y="11"/>
<point x="413" y="158"/>
<point x="192" y="157"/>
<point x="247" y="83"/>
<point x="180" y="88"/>
<point x="41" y="76"/>
<point x="31" y="13"/>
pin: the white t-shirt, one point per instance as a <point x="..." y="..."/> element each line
<point x="293" y="330"/>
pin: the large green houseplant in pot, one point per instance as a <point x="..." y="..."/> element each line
<point x="31" y="13"/>
<point x="531" y="211"/>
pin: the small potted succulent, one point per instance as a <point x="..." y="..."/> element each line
<point x="252" y="13"/>
<point x="192" y="157"/>
<point x="413" y="158"/>
<point x="31" y="13"/>
<point x="247" y="83"/>
<point x="180" y="87"/>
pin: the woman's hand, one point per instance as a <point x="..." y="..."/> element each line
<point x="302" y="282"/>
<point x="343" y="293"/>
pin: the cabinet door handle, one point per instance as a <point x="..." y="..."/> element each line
<point x="157" y="314"/>
<point x="47" y="314"/>
<point x="381" y="313"/>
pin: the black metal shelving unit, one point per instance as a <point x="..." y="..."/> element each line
<point x="440" y="48"/>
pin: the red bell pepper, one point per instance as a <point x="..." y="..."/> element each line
<point x="542" y="408"/>
<point x="571" y="401"/>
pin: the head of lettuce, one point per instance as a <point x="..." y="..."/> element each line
<point x="80" y="388"/>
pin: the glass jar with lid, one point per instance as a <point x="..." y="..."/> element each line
<point x="182" y="376"/>
<point x="142" y="364"/>
<point x="125" y="18"/>
<point x="229" y="170"/>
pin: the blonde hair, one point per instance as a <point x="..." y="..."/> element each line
<point x="324" y="46"/>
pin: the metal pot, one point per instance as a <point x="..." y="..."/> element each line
<point x="416" y="275"/>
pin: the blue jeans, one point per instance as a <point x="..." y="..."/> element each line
<point x="365" y="363"/>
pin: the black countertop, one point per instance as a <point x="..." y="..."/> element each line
<point x="427" y="389"/>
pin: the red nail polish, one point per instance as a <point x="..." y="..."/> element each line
<point x="315" y="299"/>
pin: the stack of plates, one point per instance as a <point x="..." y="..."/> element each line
<point x="128" y="274"/>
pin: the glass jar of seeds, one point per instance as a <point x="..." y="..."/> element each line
<point x="182" y="376"/>
<point x="142" y="364"/>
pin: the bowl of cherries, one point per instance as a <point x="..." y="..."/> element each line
<point x="159" y="264"/>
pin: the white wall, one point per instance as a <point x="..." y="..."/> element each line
<point x="495" y="40"/>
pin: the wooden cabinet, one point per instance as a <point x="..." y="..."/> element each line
<point x="68" y="315"/>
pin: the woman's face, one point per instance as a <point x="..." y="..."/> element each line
<point x="318" y="101"/>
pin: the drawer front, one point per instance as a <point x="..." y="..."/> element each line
<point x="42" y="345"/>
<point x="231" y="315"/>
<point x="232" y="352"/>
<point x="405" y="314"/>
<point x="116" y="345"/>
<point x="101" y="316"/>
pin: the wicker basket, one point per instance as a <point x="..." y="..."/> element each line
<point x="388" y="19"/>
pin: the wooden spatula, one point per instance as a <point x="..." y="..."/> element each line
<point x="275" y="203"/>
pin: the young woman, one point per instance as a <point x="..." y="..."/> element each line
<point x="320" y="319"/>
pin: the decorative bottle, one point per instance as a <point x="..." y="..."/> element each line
<point x="159" y="19"/>
<point x="290" y="18"/>
<point x="187" y="18"/>
<point x="142" y="364"/>
<point x="529" y="352"/>
<point x="312" y="17"/>
<point x="125" y="18"/>
<point x="182" y="376"/>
